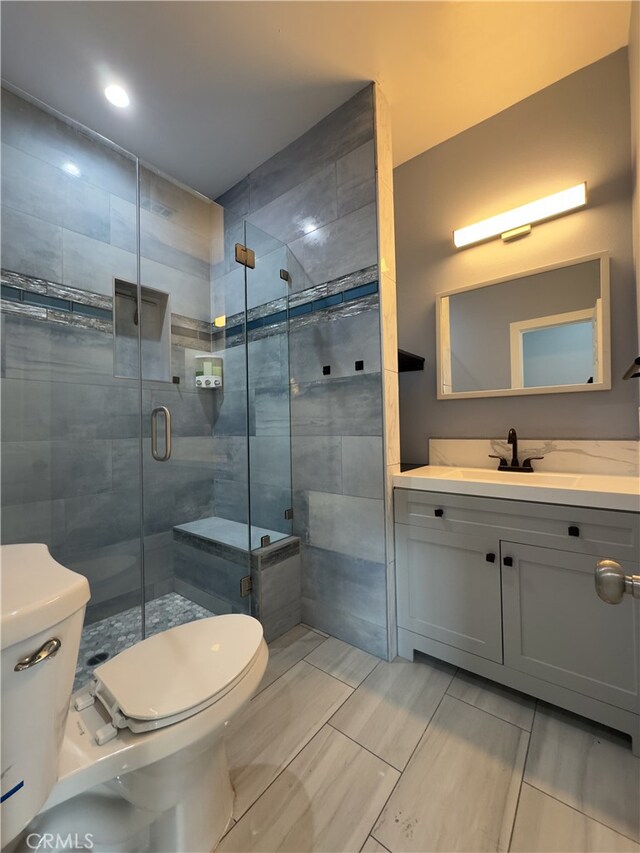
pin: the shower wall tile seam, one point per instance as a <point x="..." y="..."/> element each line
<point x="82" y="182"/>
<point x="323" y="224"/>
<point x="321" y="145"/>
<point x="64" y="174"/>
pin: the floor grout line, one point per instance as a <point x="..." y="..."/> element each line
<point x="327" y="723"/>
<point x="341" y="680"/>
<point x="284" y="672"/>
<point x="491" y="714"/>
<point x="354" y="691"/>
<point x="315" y="630"/>
<point x="557" y="799"/>
<point x="584" y="814"/>
<point x="366" y="749"/>
<point x="274" y="780"/>
<point x="413" y="752"/>
<point x="524" y="768"/>
<point x="304" y="745"/>
<point x="371" y="835"/>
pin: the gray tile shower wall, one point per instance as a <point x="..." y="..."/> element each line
<point x="318" y="196"/>
<point x="71" y="430"/>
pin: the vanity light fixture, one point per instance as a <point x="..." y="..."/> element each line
<point x="517" y="222"/>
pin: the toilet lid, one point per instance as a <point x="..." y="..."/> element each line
<point x="181" y="668"/>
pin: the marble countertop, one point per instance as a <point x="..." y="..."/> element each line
<point x="600" y="491"/>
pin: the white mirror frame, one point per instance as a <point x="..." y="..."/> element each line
<point x="443" y="340"/>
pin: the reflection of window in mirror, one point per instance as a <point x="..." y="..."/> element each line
<point x="561" y="349"/>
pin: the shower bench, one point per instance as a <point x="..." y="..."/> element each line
<point x="216" y="566"/>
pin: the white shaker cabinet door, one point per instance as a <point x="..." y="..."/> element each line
<point x="449" y="588"/>
<point x="558" y="629"/>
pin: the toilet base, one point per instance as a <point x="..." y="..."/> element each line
<point x="105" y="820"/>
<point x="200" y="819"/>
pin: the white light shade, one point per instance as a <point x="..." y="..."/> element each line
<point x="535" y="211"/>
<point x="116" y="95"/>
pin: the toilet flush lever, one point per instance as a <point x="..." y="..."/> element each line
<point x="46" y="650"/>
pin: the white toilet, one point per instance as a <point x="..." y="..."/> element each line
<point x="135" y="761"/>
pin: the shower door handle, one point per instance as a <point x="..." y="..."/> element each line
<point x="161" y="457"/>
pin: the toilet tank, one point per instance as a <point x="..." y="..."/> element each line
<point x="41" y="609"/>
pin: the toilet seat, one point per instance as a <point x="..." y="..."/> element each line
<point x="173" y="675"/>
<point x="85" y="763"/>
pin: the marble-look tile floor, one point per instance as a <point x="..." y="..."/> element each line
<point x="340" y="751"/>
<point x="116" y="633"/>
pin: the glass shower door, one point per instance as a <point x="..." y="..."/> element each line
<point x="275" y="555"/>
<point x="268" y="284"/>
<point x="70" y="418"/>
<point x="194" y="416"/>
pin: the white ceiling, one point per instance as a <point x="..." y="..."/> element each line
<point x="218" y="87"/>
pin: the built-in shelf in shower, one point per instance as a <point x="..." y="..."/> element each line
<point x="152" y="322"/>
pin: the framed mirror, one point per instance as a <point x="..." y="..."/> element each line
<point x="544" y="331"/>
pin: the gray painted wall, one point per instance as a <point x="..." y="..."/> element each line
<point x="578" y="129"/>
<point x="318" y="196"/>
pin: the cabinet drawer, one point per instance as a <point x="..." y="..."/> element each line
<point x="449" y="589"/>
<point x="605" y="533"/>
<point x="557" y="629"/>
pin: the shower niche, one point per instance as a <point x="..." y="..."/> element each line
<point x="152" y="324"/>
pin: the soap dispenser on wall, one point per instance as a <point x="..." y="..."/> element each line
<point x="208" y="371"/>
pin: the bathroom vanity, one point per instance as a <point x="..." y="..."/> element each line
<point x="495" y="574"/>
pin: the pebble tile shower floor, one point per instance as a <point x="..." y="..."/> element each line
<point x="116" y="633"/>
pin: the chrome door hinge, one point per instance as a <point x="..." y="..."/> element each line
<point x="245" y="586"/>
<point x="288" y="514"/>
<point x="245" y="256"/>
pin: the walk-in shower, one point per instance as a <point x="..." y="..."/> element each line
<point x="145" y="386"/>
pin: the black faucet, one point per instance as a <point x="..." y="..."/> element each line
<point x="512" y="439"/>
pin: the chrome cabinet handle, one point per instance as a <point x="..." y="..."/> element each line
<point x="167" y="434"/>
<point x="46" y="650"/>
<point x="612" y="583"/>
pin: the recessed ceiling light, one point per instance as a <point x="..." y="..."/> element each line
<point x="116" y="95"/>
<point x="71" y="169"/>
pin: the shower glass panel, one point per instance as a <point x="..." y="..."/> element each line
<point x="195" y="456"/>
<point x="268" y="388"/>
<point x="70" y="425"/>
<point x="144" y="375"/>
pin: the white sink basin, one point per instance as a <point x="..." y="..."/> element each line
<point x="597" y="490"/>
<point x="523" y="478"/>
